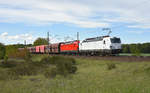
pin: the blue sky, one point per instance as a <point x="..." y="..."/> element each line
<point x="29" y="19"/>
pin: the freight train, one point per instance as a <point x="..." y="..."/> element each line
<point x="103" y="45"/>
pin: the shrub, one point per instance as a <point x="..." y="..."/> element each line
<point x="2" y="51"/>
<point x="27" y="55"/>
<point x="64" y="65"/>
<point x="62" y="69"/>
<point x="51" y="72"/>
<point x="24" y="69"/>
<point x="111" y="66"/>
<point x="147" y="70"/>
<point x="5" y="75"/>
<point x="6" y="58"/>
<point x="74" y="69"/>
<point x="8" y="64"/>
<point x="49" y="66"/>
<point x="46" y="60"/>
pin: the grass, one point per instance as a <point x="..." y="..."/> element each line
<point x="92" y="76"/>
<point x="47" y="66"/>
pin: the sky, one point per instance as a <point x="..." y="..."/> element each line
<point x="22" y="20"/>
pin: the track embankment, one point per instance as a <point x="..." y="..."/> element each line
<point x="117" y="58"/>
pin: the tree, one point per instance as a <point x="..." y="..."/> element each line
<point x="2" y="51"/>
<point x="125" y="48"/>
<point x="11" y="51"/>
<point x="40" y="41"/>
<point x="135" y="50"/>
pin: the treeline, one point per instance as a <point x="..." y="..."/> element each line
<point x="136" y="48"/>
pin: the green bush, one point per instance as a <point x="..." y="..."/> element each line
<point x="147" y="70"/>
<point x="6" y="58"/>
<point x="111" y="66"/>
<point x="49" y="67"/>
<point x="64" y="65"/>
<point x="5" y="75"/>
<point x="24" y="69"/>
<point x="74" y="69"/>
<point x="2" y="51"/>
<point x="8" y="64"/>
<point x="27" y="55"/>
<point x="46" y="60"/>
<point x="51" y="72"/>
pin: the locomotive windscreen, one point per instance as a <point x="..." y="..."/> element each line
<point x="115" y="40"/>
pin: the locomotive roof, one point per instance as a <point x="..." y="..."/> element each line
<point x="95" y="39"/>
<point x="69" y="42"/>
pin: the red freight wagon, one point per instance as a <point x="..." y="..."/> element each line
<point x="31" y="49"/>
<point x="72" y="46"/>
<point x="54" y="48"/>
<point x="47" y="49"/>
<point x="37" y="49"/>
<point x="40" y="49"/>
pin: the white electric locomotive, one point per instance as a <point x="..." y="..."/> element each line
<point x="100" y="45"/>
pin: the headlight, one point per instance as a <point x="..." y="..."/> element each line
<point x="110" y="47"/>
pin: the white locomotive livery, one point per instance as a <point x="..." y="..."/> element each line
<point x="100" y="45"/>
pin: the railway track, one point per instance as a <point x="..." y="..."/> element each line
<point x="108" y="58"/>
<point x="114" y="58"/>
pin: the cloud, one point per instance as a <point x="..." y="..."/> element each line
<point x="4" y="34"/>
<point x="20" y="38"/>
<point x="45" y="12"/>
<point x="143" y="26"/>
<point x="137" y="31"/>
<point x="57" y="38"/>
<point x="82" y="13"/>
<point x="14" y="39"/>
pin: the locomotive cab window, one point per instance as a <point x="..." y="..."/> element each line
<point x="104" y="42"/>
<point x="115" y="40"/>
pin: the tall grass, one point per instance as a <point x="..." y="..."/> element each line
<point x="92" y="76"/>
<point x="48" y="66"/>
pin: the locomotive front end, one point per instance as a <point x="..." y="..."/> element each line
<point x="115" y="45"/>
